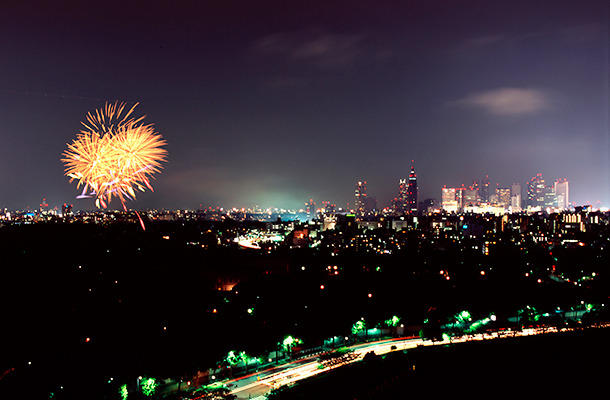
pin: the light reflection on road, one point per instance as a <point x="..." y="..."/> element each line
<point x="262" y="382"/>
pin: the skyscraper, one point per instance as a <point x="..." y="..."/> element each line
<point x="503" y="197"/>
<point x="550" y="199"/>
<point x="412" y="192"/>
<point x="401" y="204"/>
<point x="515" y="197"/>
<point x="360" y="198"/>
<point x="311" y="209"/>
<point x="562" y="192"/>
<point x="484" y="189"/>
<point x="452" y="199"/>
<point x="536" y="190"/>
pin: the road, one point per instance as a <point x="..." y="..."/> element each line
<point x="259" y="384"/>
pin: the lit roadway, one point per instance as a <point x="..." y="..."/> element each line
<point x="260" y="383"/>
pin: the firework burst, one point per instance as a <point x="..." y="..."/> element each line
<point x="114" y="155"/>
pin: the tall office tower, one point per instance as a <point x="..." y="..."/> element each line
<point x="311" y="209"/>
<point x="452" y="199"/>
<point x="471" y="196"/>
<point x="536" y="190"/>
<point x="550" y="199"/>
<point x="370" y="204"/>
<point x="360" y="198"/>
<point x="484" y="190"/>
<point x="412" y="192"/>
<point x="515" y="197"/>
<point x="503" y="197"/>
<point x="448" y="202"/>
<point x="562" y="192"/>
<point x="401" y="204"/>
<point x="477" y="190"/>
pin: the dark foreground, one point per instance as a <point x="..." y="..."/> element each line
<point x="562" y="364"/>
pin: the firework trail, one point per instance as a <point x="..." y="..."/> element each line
<point x="114" y="155"/>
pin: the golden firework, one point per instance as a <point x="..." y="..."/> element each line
<point x="114" y="155"/>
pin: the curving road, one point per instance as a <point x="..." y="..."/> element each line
<point x="259" y="384"/>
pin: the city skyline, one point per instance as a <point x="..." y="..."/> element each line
<point x="272" y="104"/>
<point x="404" y="202"/>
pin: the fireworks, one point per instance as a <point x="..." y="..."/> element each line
<point x="114" y="155"/>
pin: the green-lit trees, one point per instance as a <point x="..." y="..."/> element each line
<point x="392" y="322"/>
<point x="358" y="327"/>
<point x="149" y="386"/>
<point x="528" y="315"/>
<point x="123" y="392"/>
<point x="234" y="358"/>
<point x="288" y="343"/>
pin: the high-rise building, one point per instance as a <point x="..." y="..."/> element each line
<point x="471" y="196"/>
<point x="311" y="209"/>
<point x="515" y="197"/>
<point x="401" y="204"/>
<point x="550" y="199"/>
<point x="536" y="190"/>
<point x="412" y="191"/>
<point x="484" y="189"/>
<point x="503" y="195"/>
<point x="477" y="189"/>
<point x="360" y="198"/>
<point x="452" y="199"/>
<point x="562" y="192"/>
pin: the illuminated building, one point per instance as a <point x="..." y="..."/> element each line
<point x="484" y="190"/>
<point x="536" y="191"/>
<point x="563" y="194"/>
<point x="452" y="199"/>
<point x="471" y="196"/>
<point x="360" y="198"/>
<point x="412" y="192"/>
<point x="550" y="199"/>
<point x="515" y="197"/>
<point x="503" y="195"/>
<point x="311" y="209"/>
<point x="401" y="201"/>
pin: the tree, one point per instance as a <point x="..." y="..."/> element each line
<point x="149" y="386"/>
<point x="287" y="344"/>
<point x="358" y="327"/>
<point x="123" y="392"/>
<point x="234" y="358"/>
<point x="392" y="322"/>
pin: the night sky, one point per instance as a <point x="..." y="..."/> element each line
<point x="273" y="103"/>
